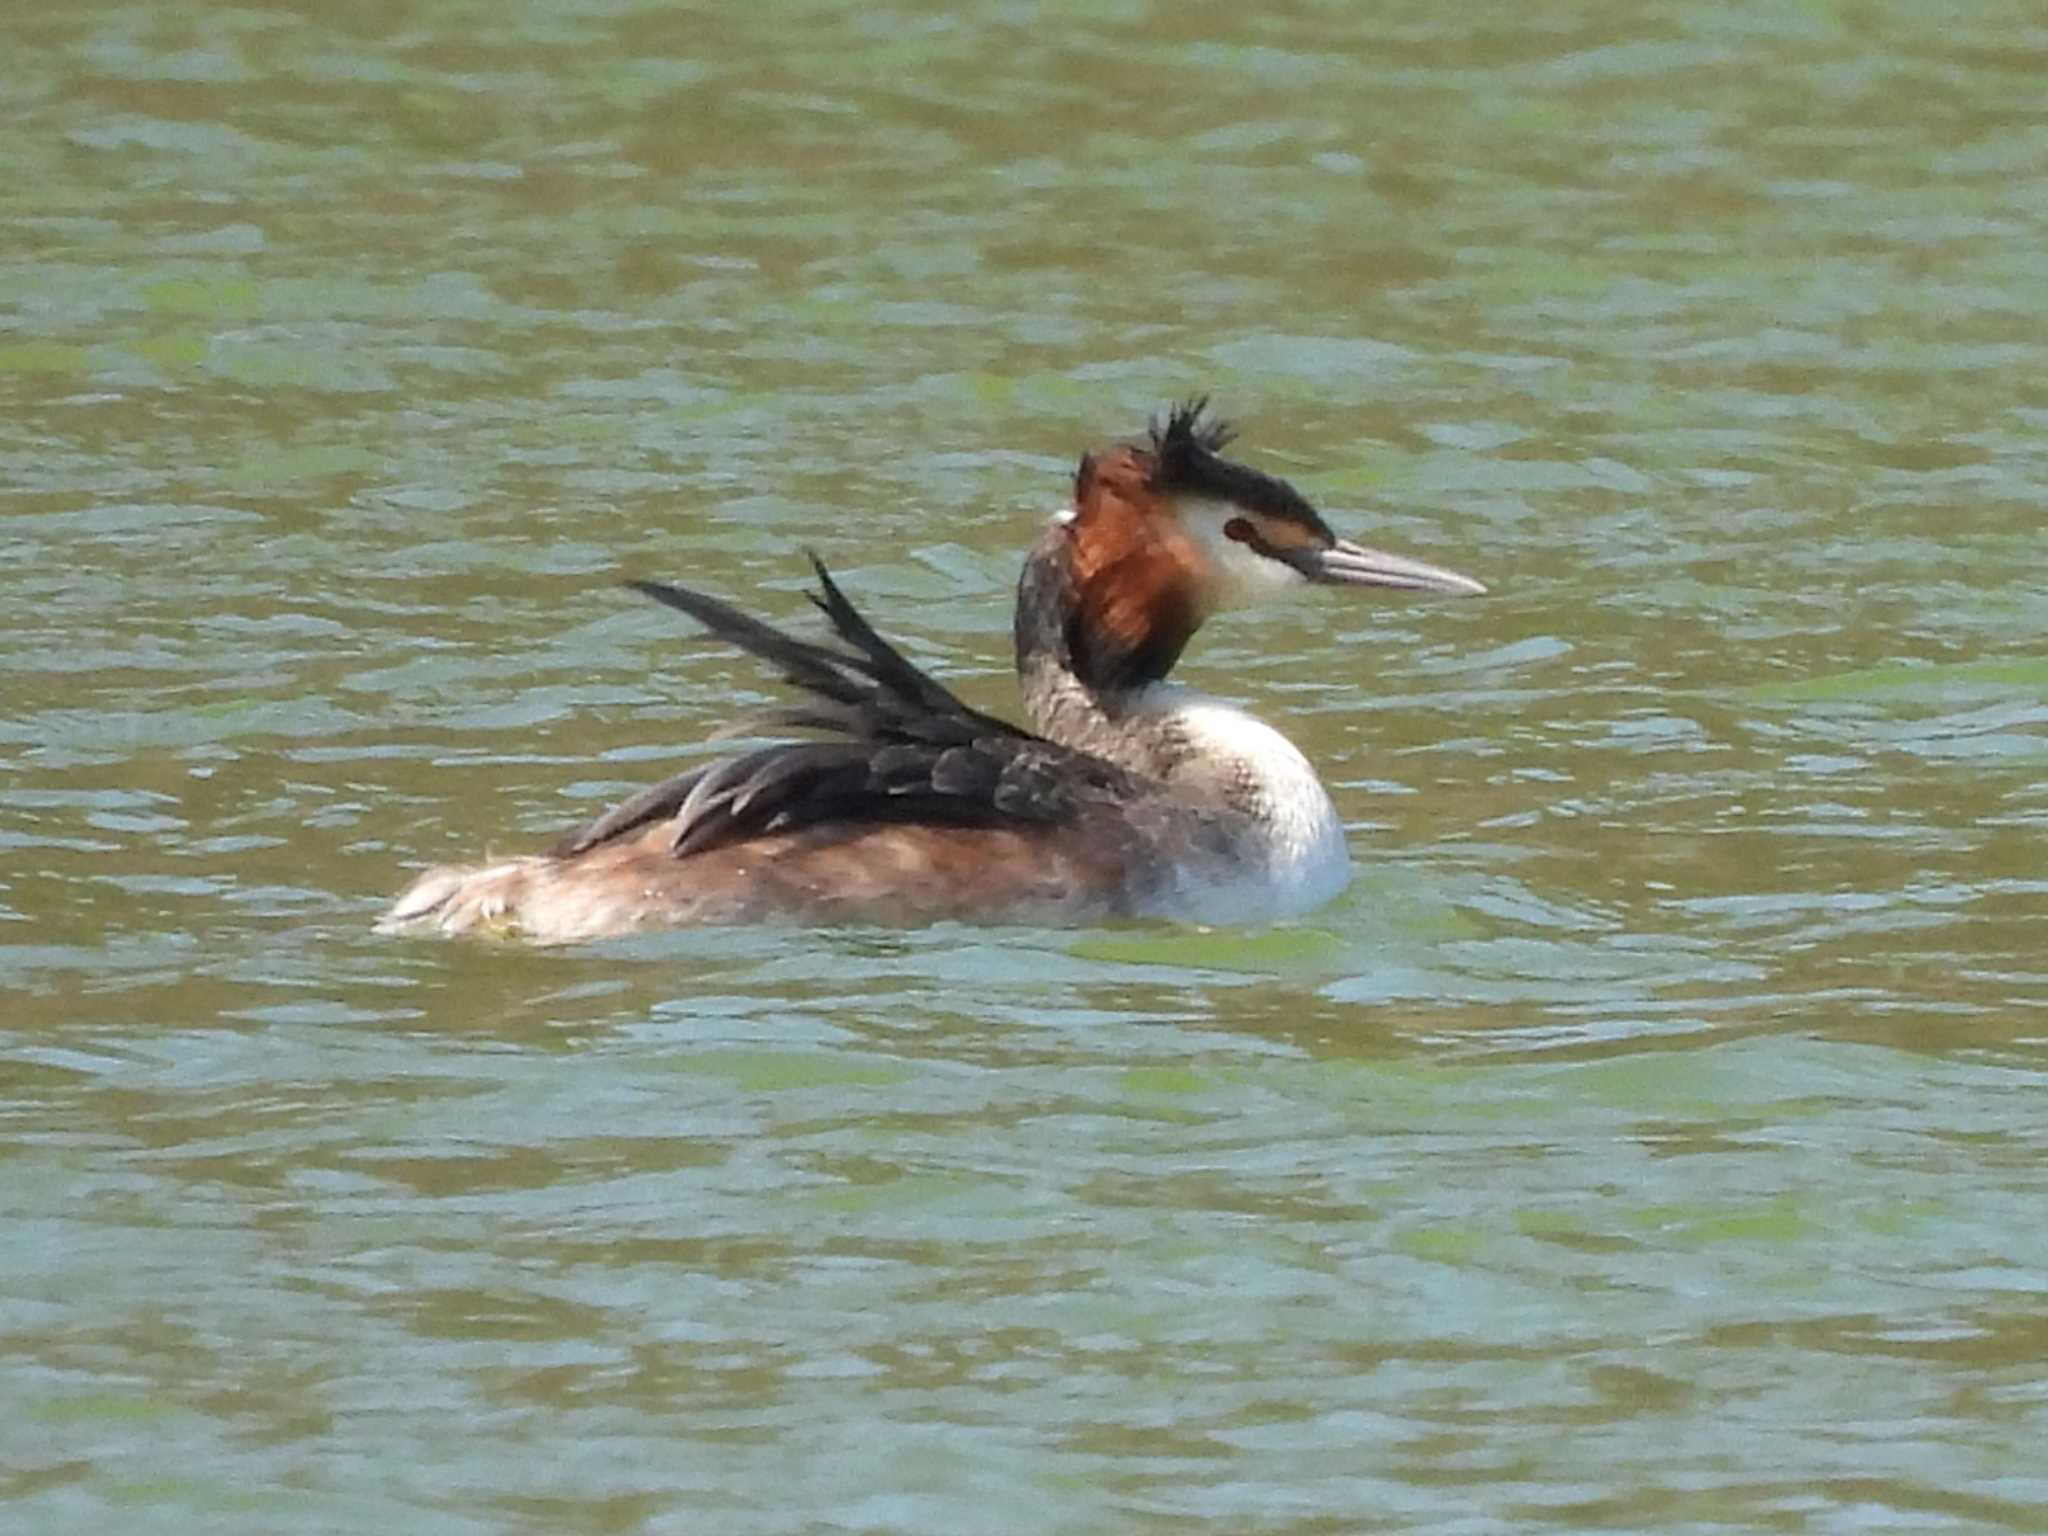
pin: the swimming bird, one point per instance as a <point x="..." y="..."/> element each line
<point x="1128" y="796"/>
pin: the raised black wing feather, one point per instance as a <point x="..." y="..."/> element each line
<point x="897" y="746"/>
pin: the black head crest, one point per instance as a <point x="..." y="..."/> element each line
<point x="1187" y="459"/>
<point x="1188" y="434"/>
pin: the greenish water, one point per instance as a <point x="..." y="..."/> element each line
<point x="1650" y="1140"/>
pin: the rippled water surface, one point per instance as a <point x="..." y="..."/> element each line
<point x="1652" y="1139"/>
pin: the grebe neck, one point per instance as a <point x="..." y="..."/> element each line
<point x="1083" y="691"/>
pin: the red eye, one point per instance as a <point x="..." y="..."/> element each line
<point x="1239" y="531"/>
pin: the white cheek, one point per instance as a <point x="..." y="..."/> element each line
<point x="1248" y="577"/>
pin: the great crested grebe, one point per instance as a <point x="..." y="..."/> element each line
<point x="1133" y="797"/>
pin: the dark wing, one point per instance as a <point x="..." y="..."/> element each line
<point x="896" y="746"/>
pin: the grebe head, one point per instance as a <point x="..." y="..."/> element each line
<point x="1165" y="531"/>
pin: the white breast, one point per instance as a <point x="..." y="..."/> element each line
<point x="1303" y="861"/>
